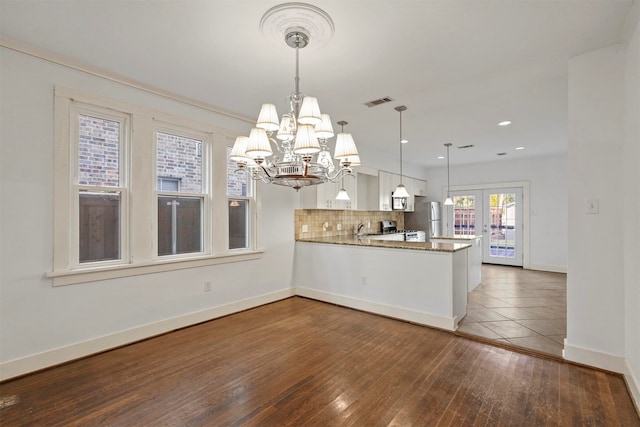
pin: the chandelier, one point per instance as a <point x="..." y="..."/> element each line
<point x="300" y="137"/>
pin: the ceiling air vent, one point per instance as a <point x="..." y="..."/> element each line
<point x="378" y="101"/>
<point x="501" y="154"/>
<point x="462" y="147"/>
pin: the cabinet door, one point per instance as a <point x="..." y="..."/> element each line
<point x="325" y="196"/>
<point x="421" y="187"/>
<point x="388" y="182"/>
<point x="350" y="185"/>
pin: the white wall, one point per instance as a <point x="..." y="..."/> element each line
<point x="603" y="287"/>
<point x="548" y="199"/>
<point x="631" y="200"/>
<point x="38" y="320"/>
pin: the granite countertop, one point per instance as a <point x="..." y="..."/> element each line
<point x="389" y="244"/>
<point x="461" y="238"/>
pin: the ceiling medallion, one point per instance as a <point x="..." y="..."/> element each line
<point x="278" y="21"/>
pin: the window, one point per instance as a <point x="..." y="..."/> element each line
<point x="100" y="147"/>
<point x="238" y="186"/>
<point x="464" y="215"/>
<point x="180" y="208"/>
<point x="140" y="191"/>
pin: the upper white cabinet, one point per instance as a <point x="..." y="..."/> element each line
<point x="323" y="196"/>
<point x="389" y="181"/>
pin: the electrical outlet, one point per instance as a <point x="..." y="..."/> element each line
<point x="207" y="286"/>
<point x="339" y="227"/>
<point x="305" y="228"/>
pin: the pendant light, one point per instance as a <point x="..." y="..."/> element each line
<point x="342" y="194"/>
<point x="401" y="190"/>
<point x="448" y="201"/>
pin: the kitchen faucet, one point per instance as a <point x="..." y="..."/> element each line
<point x="359" y="228"/>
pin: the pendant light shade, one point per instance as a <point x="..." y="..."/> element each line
<point x="310" y="111"/>
<point x="401" y="190"/>
<point x="268" y="118"/>
<point x="448" y="201"/>
<point x="306" y="141"/>
<point x="342" y="194"/>
<point x="324" y="130"/>
<point x="258" y="145"/>
<point x="345" y="146"/>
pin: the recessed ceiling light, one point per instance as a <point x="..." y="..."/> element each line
<point x="519" y="148"/>
<point x="440" y="157"/>
<point x="505" y="123"/>
<point x="404" y="141"/>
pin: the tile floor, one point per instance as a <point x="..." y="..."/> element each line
<point x="525" y="308"/>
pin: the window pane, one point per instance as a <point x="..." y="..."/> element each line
<point x="98" y="152"/>
<point x="99" y="226"/>
<point x="238" y="224"/>
<point x="236" y="180"/>
<point x="503" y="237"/>
<point x="180" y="158"/>
<point x="179" y="225"/>
<point x="464" y="215"/>
<point x="168" y="184"/>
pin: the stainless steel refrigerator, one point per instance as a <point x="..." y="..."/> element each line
<point x="426" y="216"/>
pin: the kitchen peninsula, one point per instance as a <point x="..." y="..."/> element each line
<point x="424" y="283"/>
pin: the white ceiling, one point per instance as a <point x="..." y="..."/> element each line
<point x="460" y="67"/>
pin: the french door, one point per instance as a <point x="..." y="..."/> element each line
<point x="496" y="215"/>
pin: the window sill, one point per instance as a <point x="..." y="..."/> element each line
<point x="71" y="277"/>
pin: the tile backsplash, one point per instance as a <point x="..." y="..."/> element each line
<point x="329" y="222"/>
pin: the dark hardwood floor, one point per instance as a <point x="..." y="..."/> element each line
<point x="305" y="363"/>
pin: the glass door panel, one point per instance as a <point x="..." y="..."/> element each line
<point x="502" y="226"/>
<point x="494" y="214"/>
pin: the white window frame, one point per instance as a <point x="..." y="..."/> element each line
<point x="137" y="244"/>
<point x="206" y="194"/>
<point x="78" y="109"/>
<point x="252" y="214"/>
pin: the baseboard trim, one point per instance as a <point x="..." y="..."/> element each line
<point x="633" y="385"/>
<point x="549" y="268"/>
<point x="419" y="317"/>
<point x="36" y="362"/>
<point x="585" y="356"/>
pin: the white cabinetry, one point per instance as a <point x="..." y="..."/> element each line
<point x="389" y="181"/>
<point x="323" y="196"/>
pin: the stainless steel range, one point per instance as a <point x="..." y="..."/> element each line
<point x="389" y="230"/>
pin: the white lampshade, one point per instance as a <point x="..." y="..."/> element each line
<point x="401" y="191"/>
<point x="324" y="130"/>
<point x="448" y="201"/>
<point x="238" y="152"/>
<point x="258" y="144"/>
<point x="306" y="141"/>
<point x="345" y="146"/>
<point x="353" y="160"/>
<point x="287" y="130"/>
<point x="309" y="111"/>
<point x="268" y="118"/>
<point x="342" y="195"/>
